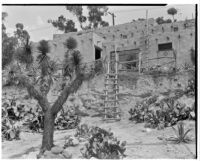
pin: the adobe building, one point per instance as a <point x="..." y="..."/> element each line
<point x="148" y="38"/>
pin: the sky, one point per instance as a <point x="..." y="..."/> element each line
<point x="35" y="18"/>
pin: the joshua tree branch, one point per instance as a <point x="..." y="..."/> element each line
<point x="69" y="89"/>
<point x="43" y="102"/>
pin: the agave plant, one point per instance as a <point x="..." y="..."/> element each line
<point x="181" y="134"/>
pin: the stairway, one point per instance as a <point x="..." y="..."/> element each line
<point x="111" y="91"/>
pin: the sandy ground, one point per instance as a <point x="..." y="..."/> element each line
<point x="141" y="143"/>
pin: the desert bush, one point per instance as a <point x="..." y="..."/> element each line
<point x="10" y="129"/>
<point x="66" y="121"/>
<point x="161" y="114"/>
<point x="103" y="145"/>
<point x="190" y="89"/>
<point x="16" y="115"/>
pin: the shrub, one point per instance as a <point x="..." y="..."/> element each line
<point x="103" y="145"/>
<point x="15" y="115"/>
<point x="161" y="114"/>
<point x="190" y="89"/>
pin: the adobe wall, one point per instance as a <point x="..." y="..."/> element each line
<point x="129" y="35"/>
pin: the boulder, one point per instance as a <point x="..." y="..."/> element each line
<point x="75" y="141"/>
<point x="61" y="156"/>
<point x="187" y="101"/>
<point x="57" y="150"/>
<point x="67" y="154"/>
<point x="47" y="153"/>
<point x="51" y="156"/>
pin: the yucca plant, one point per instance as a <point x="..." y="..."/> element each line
<point x="181" y="134"/>
<point x="70" y="43"/>
<point x="73" y="58"/>
<point x="43" y="58"/>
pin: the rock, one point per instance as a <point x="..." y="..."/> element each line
<point x="57" y="150"/>
<point x="47" y="153"/>
<point x="77" y="102"/>
<point x="60" y="156"/>
<point x="66" y="154"/>
<point x="148" y="130"/>
<point x="75" y="141"/>
<point x="51" y="156"/>
<point x="160" y="97"/>
<point x="187" y="101"/>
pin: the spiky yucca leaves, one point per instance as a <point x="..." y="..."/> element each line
<point x="43" y="47"/>
<point x="181" y="134"/>
<point x="72" y="63"/>
<point x="73" y="58"/>
<point x="43" y="58"/>
<point x="70" y="43"/>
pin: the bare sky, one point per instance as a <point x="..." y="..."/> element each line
<point x="35" y="18"/>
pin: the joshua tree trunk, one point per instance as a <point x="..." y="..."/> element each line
<point x="50" y="112"/>
<point x="47" y="140"/>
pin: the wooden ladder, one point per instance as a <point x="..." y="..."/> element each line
<point x="111" y="91"/>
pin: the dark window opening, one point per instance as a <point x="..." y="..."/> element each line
<point x="124" y="36"/>
<point x="175" y="29"/>
<point x="165" y="46"/>
<point x="97" y="53"/>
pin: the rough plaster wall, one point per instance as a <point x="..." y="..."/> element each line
<point x="182" y="45"/>
<point x="84" y="44"/>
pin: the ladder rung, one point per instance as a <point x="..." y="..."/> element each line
<point x="105" y="119"/>
<point x="110" y="107"/>
<point x="114" y="97"/>
<point x="111" y="113"/>
<point x="111" y="83"/>
<point x="112" y="89"/>
<point x="111" y="74"/>
<point x="111" y="101"/>
<point x="112" y="78"/>
<point x="110" y="94"/>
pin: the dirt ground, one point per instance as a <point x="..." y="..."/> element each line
<point x="141" y="142"/>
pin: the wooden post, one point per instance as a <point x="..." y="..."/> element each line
<point x="139" y="65"/>
<point x="116" y="82"/>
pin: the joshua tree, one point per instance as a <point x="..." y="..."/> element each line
<point x="34" y="90"/>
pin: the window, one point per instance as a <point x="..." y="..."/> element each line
<point x="165" y="46"/>
<point x="175" y="29"/>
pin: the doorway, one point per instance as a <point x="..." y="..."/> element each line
<point x="97" y="53"/>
